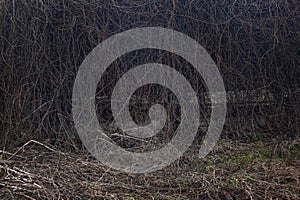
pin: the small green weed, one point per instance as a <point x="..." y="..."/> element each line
<point x="256" y="137"/>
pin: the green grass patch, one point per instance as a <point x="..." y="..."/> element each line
<point x="244" y="158"/>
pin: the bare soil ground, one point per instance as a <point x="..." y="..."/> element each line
<point x="233" y="170"/>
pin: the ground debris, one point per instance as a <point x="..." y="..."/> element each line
<point x="261" y="170"/>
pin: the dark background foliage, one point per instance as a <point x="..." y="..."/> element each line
<point x="255" y="44"/>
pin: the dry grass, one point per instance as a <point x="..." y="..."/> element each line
<point x="42" y="44"/>
<point x="261" y="170"/>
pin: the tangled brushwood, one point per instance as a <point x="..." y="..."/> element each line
<point x="256" y="47"/>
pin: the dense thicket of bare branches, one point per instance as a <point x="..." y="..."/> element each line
<point x="255" y="44"/>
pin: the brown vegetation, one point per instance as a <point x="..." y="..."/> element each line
<point x="256" y="47"/>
